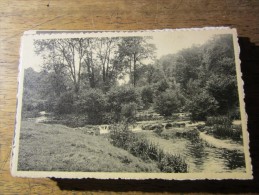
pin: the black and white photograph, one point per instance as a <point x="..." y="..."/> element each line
<point x="166" y="104"/>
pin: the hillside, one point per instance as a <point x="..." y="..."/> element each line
<point x="46" y="147"/>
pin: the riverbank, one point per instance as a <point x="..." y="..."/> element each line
<point x="200" y="155"/>
<point x="86" y="149"/>
<point x="45" y="147"/>
<point x="219" y="143"/>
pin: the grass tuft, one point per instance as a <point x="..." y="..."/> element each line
<point x="221" y="127"/>
<point x="140" y="147"/>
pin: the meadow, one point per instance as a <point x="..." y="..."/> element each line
<point x="45" y="147"/>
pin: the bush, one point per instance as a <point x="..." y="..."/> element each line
<point x="162" y="86"/>
<point x="128" y="111"/>
<point x="192" y="135"/>
<point x="92" y="102"/>
<point x="30" y="114"/>
<point x="223" y="131"/>
<point x="224" y="90"/>
<point x="222" y="127"/>
<point x="172" y="164"/>
<point x="70" y="120"/>
<point x="158" y="130"/>
<point x="65" y="104"/>
<point x="201" y="106"/>
<point x="140" y="147"/>
<point x="219" y="120"/>
<point x="120" y="136"/>
<point x="167" y="103"/>
<point x="117" y="98"/>
<point x="30" y="104"/>
<point x="235" y="113"/>
<point x="147" y="96"/>
<point x="109" y="118"/>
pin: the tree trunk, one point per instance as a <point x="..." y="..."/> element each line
<point x="134" y="69"/>
<point x="76" y="87"/>
<point x="104" y="73"/>
<point x="90" y="73"/>
<point x="92" y="79"/>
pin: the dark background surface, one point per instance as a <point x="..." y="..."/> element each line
<point x="18" y="16"/>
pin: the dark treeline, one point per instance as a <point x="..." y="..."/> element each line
<point x="106" y="79"/>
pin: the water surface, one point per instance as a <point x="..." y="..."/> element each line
<point x="201" y="157"/>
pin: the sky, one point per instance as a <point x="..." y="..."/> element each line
<point x="165" y="42"/>
<point x="173" y="43"/>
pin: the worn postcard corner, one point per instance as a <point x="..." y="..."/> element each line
<point x="155" y="104"/>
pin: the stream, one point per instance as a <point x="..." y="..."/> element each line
<point x="201" y="157"/>
<point x="207" y="155"/>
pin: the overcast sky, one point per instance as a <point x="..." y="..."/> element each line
<point x="166" y="43"/>
<point x="173" y="43"/>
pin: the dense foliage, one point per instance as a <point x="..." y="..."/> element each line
<point x="222" y="127"/>
<point x="167" y="103"/>
<point x="110" y="82"/>
<point x="93" y="103"/>
<point x="122" y="102"/>
<point x="207" y="77"/>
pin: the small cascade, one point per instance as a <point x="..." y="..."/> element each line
<point x="104" y="129"/>
<point x="42" y="118"/>
<point x="136" y="127"/>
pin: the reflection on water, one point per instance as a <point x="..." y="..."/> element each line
<point x="203" y="158"/>
<point x="233" y="159"/>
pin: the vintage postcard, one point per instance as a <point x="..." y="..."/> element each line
<point x="163" y="104"/>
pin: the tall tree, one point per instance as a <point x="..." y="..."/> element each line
<point x="188" y="64"/>
<point x="107" y="51"/>
<point x="133" y="50"/>
<point x="90" y="63"/>
<point x="207" y="75"/>
<point x="66" y="55"/>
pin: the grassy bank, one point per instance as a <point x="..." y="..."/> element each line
<point x="147" y="151"/>
<point x="45" y="147"/>
<point x="222" y="127"/>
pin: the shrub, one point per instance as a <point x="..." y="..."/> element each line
<point x="224" y="131"/>
<point x="235" y="113"/>
<point x="201" y="106"/>
<point x="147" y="96"/>
<point x="172" y="164"/>
<point x="158" y="130"/>
<point x="120" y="136"/>
<point x="31" y="104"/>
<point x="222" y="127"/>
<point x="118" y="97"/>
<point x="162" y="86"/>
<point x="155" y="153"/>
<point x="192" y="135"/>
<point x="167" y="103"/>
<point x="224" y="90"/>
<point x="70" y="120"/>
<point x="30" y="114"/>
<point x="128" y="111"/>
<point x="65" y="104"/>
<point x="140" y="147"/>
<point x="108" y="117"/>
<point x="92" y="102"/>
<point x="50" y="105"/>
<point x="219" y="120"/>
